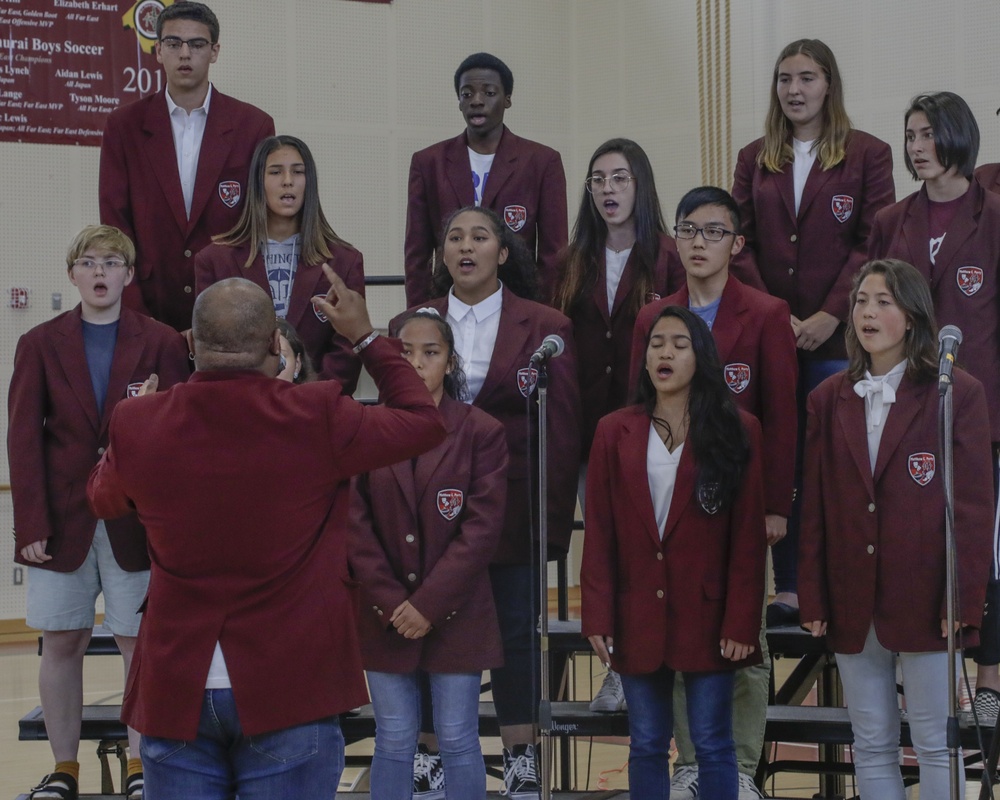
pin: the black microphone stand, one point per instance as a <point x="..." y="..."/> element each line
<point x="544" y="702"/>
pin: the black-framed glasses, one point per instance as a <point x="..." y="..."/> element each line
<point x="710" y="233"/>
<point x="175" y="43"/>
<point x="618" y="181"/>
<point x="107" y="265"/>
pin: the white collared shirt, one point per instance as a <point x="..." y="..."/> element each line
<point x="879" y="394"/>
<point x="475" y="329"/>
<point x="614" y="268"/>
<point x="805" y="157"/>
<point x="661" y="472"/>
<point x="188" y="130"/>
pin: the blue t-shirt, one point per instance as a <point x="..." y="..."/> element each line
<point x="707" y="313"/>
<point x="99" y="344"/>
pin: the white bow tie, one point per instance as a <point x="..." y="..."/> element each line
<point x="878" y="394"/>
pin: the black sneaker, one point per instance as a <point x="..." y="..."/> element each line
<point x="55" y="786"/>
<point x="520" y="775"/>
<point x="428" y="775"/>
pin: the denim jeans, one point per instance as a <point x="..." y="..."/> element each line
<point x="650" y="724"/>
<point x="396" y="703"/>
<point x="288" y="764"/>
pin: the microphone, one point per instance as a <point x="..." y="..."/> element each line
<point x="551" y="347"/>
<point x="949" y="339"/>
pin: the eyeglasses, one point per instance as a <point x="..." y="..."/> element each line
<point x="619" y="182"/>
<point x="108" y="266"/>
<point x="710" y="233"/>
<point x="175" y="43"/>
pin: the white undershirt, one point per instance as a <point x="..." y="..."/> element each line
<point x="218" y="674"/>
<point x="805" y="157"/>
<point x="661" y="470"/>
<point x="879" y="393"/>
<point x="475" y="328"/>
<point x="614" y="266"/>
<point x="188" y="130"/>
<point x="480" y="164"/>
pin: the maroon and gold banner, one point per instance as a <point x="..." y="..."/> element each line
<point x="66" y="64"/>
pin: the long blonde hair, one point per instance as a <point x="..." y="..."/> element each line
<point x="831" y="146"/>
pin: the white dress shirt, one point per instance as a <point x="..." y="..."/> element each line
<point x="879" y="393"/>
<point x="188" y="130"/>
<point x="661" y="470"/>
<point x="475" y="329"/>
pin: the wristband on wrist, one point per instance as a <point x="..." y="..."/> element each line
<point x="371" y="337"/>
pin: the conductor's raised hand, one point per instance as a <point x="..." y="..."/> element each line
<point x="344" y="307"/>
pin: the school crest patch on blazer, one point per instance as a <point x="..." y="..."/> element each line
<point x="526" y="380"/>
<point x="737" y="376"/>
<point x="133" y="389"/>
<point x="969" y="279"/>
<point x="922" y="467"/>
<point x="450" y="502"/>
<point x="230" y="193"/>
<point x="515" y="217"/>
<point x="842" y="206"/>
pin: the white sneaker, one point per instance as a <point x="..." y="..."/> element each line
<point x="748" y="789"/>
<point x="428" y="775"/>
<point x="684" y="783"/>
<point x="610" y="698"/>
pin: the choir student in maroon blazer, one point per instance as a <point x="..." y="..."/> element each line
<point x="423" y="533"/>
<point x="281" y="241"/>
<point x="808" y="192"/>
<point x="486" y="165"/>
<point x="872" y="555"/>
<point x="674" y="553"/>
<point x="484" y="274"/>
<point x="168" y="199"/>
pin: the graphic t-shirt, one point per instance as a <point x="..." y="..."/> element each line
<point x="280" y="261"/>
<point x="481" y="166"/>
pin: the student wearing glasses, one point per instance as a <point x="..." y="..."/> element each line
<point x="174" y="165"/>
<point x="808" y="191"/>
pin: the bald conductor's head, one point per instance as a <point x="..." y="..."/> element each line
<point x="234" y="327"/>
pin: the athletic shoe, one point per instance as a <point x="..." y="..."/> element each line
<point x="610" y="698"/>
<point x="684" y="783"/>
<point x="987" y="705"/>
<point x="55" y="786"/>
<point x="134" y="786"/>
<point x="428" y="775"/>
<point x="520" y="775"/>
<point x="748" y="789"/>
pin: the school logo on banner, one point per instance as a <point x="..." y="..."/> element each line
<point x="526" y="379"/>
<point x="969" y="279"/>
<point x="737" y="377"/>
<point x="515" y="217"/>
<point x="230" y="192"/>
<point x="141" y="18"/>
<point x="450" y="502"/>
<point x="842" y="206"/>
<point x="133" y="389"/>
<point x="921" y="466"/>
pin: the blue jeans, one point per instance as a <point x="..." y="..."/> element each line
<point x="785" y="554"/>
<point x="288" y="764"/>
<point x="651" y="722"/>
<point x="396" y="703"/>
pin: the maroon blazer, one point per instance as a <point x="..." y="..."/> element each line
<point x="871" y="548"/>
<point x="426" y="531"/>
<point x="330" y="352"/>
<point x="809" y="259"/>
<point x="523" y="326"/>
<point x="140" y="192"/>
<point x="56" y="432"/>
<point x="526" y="187"/>
<point x="242" y="483"/>
<point x="964" y="280"/>
<point x="670" y="602"/>
<point x="988" y="176"/>
<point x="605" y="337"/>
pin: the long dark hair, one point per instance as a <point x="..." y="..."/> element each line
<point x="913" y="296"/>
<point x="518" y="272"/>
<point x="718" y="440"/>
<point x="307" y="372"/>
<point x="456" y="386"/>
<point x="590" y="233"/>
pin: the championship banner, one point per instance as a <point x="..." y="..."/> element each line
<point x="66" y="64"/>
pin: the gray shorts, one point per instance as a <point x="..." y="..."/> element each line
<point x="66" y="601"/>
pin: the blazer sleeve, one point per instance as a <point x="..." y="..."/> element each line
<point x="114" y="200"/>
<point x="637" y="357"/>
<point x="814" y="596"/>
<point x="563" y="442"/>
<point x="105" y="490"/>
<point x="380" y="587"/>
<point x="339" y="361"/>
<point x="552" y="227"/>
<point x="26" y="404"/>
<point x="779" y="366"/>
<point x="454" y="577"/>
<point x="974" y="504"/>
<point x="747" y="566"/>
<point x="419" y="242"/>
<point x="599" y="568"/>
<point x="879" y="238"/>
<point x="204" y="270"/>
<point x="879" y="192"/>
<point x="744" y="264"/>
